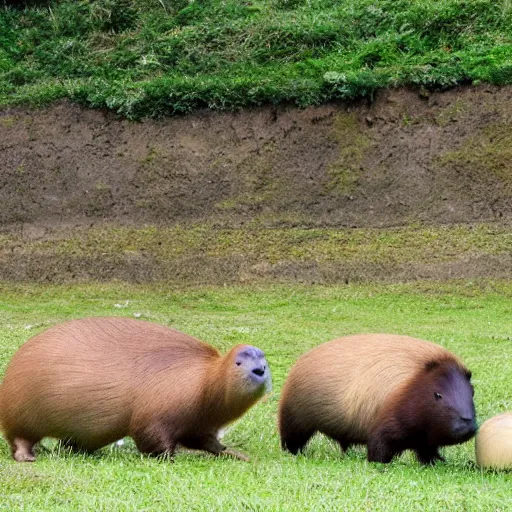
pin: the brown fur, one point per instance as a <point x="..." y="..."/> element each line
<point x="368" y="389"/>
<point x="96" y="380"/>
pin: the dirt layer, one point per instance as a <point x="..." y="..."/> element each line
<point x="406" y="158"/>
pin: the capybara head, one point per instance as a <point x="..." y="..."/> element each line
<point x="251" y="368"/>
<point x="448" y="403"/>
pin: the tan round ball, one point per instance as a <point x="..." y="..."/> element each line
<point x="494" y="442"/>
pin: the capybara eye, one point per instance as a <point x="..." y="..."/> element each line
<point x="238" y="363"/>
<point x="438" y="396"/>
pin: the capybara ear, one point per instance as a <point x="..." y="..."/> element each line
<point x="431" y="365"/>
<point x="100" y="379"/>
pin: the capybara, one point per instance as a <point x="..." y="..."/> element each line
<point x="493" y="444"/>
<point x="389" y="392"/>
<point x="92" y="381"/>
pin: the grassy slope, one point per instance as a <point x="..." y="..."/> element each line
<point x="470" y="319"/>
<point x="160" y="57"/>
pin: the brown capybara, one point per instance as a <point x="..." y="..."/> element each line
<point x="90" y="382"/>
<point x="389" y="392"/>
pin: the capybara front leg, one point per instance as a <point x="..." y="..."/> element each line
<point x="296" y="441"/>
<point x="155" y="440"/>
<point x="380" y="450"/>
<point x="22" y="450"/>
<point x="428" y="455"/>
<point x="343" y="444"/>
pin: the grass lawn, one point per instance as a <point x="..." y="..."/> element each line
<point x="162" y="57"/>
<point x="471" y="319"/>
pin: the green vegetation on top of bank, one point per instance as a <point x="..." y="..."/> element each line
<point x="151" y="58"/>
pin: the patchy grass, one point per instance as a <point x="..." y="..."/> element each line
<point x="471" y="319"/>
<point x="484" y="153"/>
<point x="419" y="244"/>
<point x="162" y="57"/>
<point x="202" y="254"/>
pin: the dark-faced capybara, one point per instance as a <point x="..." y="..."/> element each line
<point x="389" y="392"/>
<point x="93" y="381"/>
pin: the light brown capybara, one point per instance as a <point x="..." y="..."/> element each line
<point x="389" y="392"/>
<point x="92" y="381"/>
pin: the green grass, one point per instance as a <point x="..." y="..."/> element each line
<point x="469" y="318"/>
<point x="162" y="57"/>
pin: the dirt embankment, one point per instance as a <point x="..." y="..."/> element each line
<point x="321" y="194"/>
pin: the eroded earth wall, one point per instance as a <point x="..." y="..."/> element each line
<point x="408" y="186"/>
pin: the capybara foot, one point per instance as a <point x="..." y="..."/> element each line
<point x="229" y="452"/>
<point x="211" y="444"/>
<point x="23" y="450"/>
<point x="429" y="456"/>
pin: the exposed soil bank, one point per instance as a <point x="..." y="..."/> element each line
<point x="69" y="175"/>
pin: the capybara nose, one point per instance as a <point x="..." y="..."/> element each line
<point x="468" y="425"/>
<point x="259" y="371"/>
<point x="469" y="422"/>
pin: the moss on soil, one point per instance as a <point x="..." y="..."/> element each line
<point x="451" y="113"/>
<point x="410" y="244"/>
<point x="7" y="121"/>
<point x="489" y="151"/>
<point x="344" y="173"/>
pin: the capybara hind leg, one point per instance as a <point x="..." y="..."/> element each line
<point x="428" y="455"/>
<point x="296" y="441"/>
<point x="22" y="450"/>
